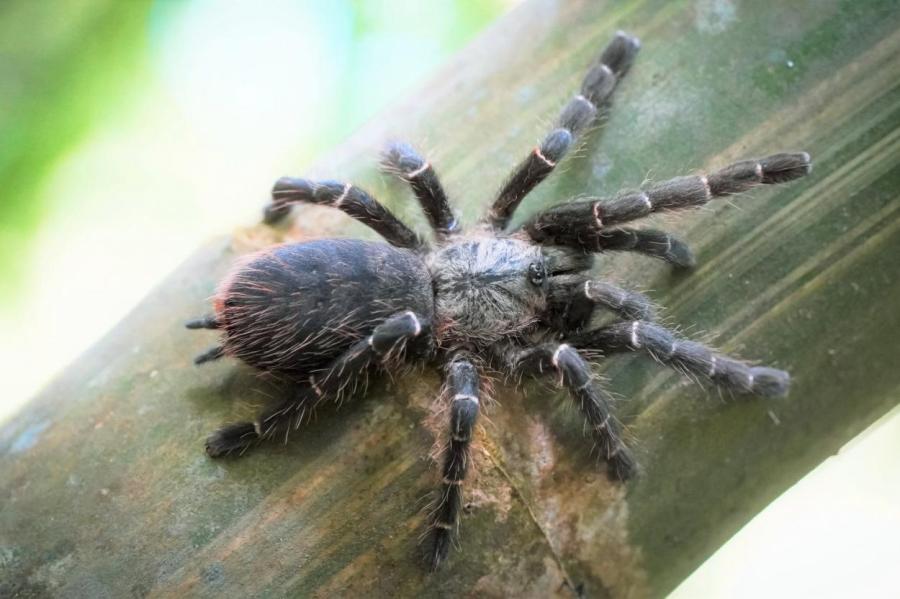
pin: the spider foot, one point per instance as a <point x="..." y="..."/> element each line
<point x="622" y="466"/>
<point x="232" y="438"/>
<point x="440" y="547"/>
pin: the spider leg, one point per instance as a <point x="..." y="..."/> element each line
<point x="397" y="339"/>
<point x="575" y="375"/>
<point x="575" y="118"/>
<point x="462" y="385"/>
<point x="344" y="196"/>
<point x="572" y="300"/>
<point x="274" y="421"/>
<point x="580" y="223"/>
<point x="688" y="357"/>
<point x="402" y="160"/>
<point x="651" y="242"/>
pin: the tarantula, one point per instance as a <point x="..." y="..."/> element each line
<point x="326" y="313"/>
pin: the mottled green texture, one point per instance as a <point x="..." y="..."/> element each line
<point x="64" y="65"/>
<point x="106" y="490"/>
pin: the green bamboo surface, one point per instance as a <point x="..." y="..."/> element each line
<point x="107" y="491"/>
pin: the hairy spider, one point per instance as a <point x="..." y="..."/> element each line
<point x="326" y="313"/>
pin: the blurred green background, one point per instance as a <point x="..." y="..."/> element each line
<point x="113" y="112"/>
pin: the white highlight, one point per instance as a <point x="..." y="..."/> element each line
<point x="419" y="171"/>
<point x="547" y="161"/>
<point x="712" y="367"/>
<point x="337" y="203"/>
<point x="646" y="200"/>
<point x="416" y="322"/>
<point x="705" y="180"/>
<point x="759" y="171"/>
<point x="635" y="342"/>
<point x="559" y="350"/>
<point x="603" y="424"/>
<point x="464" y="396"/>
<point x="597" y="215"/>
<point x="586" y="384"/>
<point x="585" y="100"/>
<point x="587" y="290"/>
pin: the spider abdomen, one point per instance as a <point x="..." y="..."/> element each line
<point x="292" y="309"/>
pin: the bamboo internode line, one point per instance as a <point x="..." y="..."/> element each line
<point x="115" y="495"/>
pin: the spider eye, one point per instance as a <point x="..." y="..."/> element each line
<point x="536" y="273"/>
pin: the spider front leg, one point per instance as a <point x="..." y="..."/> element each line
<point x="400" y="337"/>
<point x="650" y="242"/>
<point x="575" y="375"/>
<point x="350" y="199"/>
<point x="403" y="161"/>
<point x="594" y="225"/>
<point x="688" y="357"/>
<point x="581" y="111"/>
<point x="463" y="387"/>
<point x="572" y="300"/>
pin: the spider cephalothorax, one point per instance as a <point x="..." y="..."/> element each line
<point x="326" y="313"/>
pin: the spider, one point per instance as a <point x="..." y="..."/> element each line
<point x="326" y="313"/>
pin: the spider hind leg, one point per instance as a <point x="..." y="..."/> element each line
<point x="394" y="339"/>
<point x="213" y="353"/>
